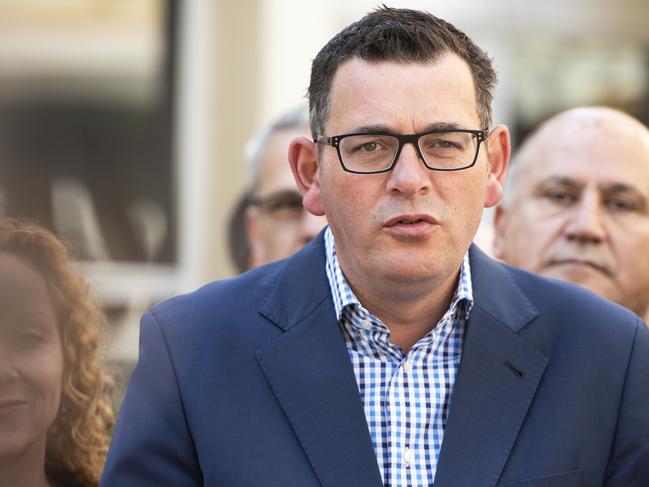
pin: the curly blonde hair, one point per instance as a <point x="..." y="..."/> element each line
<point x="78" y="440"/>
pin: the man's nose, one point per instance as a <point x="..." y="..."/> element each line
<point x="586" y="223"/>
<point x="409" y="176"/>
<point x="310" y="225"/>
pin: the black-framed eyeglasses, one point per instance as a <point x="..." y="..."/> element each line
<point x="440" y="150"/>
<point x="283" y="205"/>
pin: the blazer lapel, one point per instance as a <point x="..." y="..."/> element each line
<point x="309" y="371"/>
<point x="496" y="383"/>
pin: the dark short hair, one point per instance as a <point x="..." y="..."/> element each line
<point x="402" y="36"/>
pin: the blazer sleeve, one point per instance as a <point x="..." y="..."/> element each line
<point x="151" y="444"/>
<point x="629" y="461"/>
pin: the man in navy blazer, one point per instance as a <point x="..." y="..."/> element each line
<point x="390" y="351"/>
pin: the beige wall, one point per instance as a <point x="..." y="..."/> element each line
<point x="237" y="73"/>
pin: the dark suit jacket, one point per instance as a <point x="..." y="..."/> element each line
<point x="247" y="383"/>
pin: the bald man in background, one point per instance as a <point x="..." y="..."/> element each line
<point x="576" y="206"/>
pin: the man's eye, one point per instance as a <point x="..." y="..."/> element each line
<point x="283" y="206"/>
<point x="620" y="205"/>
<point x="281" y="202"/>
<point x="560" y="197"/>
<point x="364" y="144"/>
<point x="369" y="146"/>
<point x="444" y="144"/>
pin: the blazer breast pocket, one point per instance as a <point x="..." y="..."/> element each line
<point x="566" y="479"/>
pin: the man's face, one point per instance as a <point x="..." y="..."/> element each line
<point x="278" y="225"/>
<point x="409" y="225"/>
<point x="580" y="211"/>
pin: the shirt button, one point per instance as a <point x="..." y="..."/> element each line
<point x="366" y="324"/>
<point x="407" y="366"/>
<point x="407" y="457"/>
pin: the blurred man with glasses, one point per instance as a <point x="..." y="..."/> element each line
<point x="577" y="205"/>
<point x="271" y="217"/>
<point x="389" y="350"/>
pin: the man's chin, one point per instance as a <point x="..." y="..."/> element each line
<point x="583" y="275"/>
<point x="407" y="271"/>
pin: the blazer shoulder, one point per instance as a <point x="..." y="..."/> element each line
<point x="238" y="298"/>
<point x="584" y="310"/>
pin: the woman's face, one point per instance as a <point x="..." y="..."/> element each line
<point x="31" y="359"/>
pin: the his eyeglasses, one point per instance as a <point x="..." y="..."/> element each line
<point x="440" y="150"/>
<point x="281" y="205"/>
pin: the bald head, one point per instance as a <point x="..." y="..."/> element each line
<point x="578" y="132"/>
<point x="576" y="205"/>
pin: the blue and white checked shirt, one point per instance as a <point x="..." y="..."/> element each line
<point x="405" y="397"/>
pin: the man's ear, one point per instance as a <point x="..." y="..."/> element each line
<point x="498" y="151"/>
<point x="302" y="155"/>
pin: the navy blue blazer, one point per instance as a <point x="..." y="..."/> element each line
<point x="247" y="383"/>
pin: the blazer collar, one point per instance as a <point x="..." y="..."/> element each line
<point x="300" y="287"/>
<point x="310" y="373"/>
<point x="496" y="292"/>
<point x="498" y="378"/>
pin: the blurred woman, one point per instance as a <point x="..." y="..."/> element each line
<point x="55" y="413"/>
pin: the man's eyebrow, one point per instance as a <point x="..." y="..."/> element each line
<point x="372" y="129"/>
<point x="380" y="128"/>
<point x="559" y="181"/>
<point x="441" y="126"/>
<point x="620" y="188"/>
<point x="607" y="187"/>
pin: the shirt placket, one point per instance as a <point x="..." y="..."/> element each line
<point x="402" y="416"/>
<point x="405" y="405"/>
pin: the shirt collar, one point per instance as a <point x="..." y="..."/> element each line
<point x="344" y="297"/>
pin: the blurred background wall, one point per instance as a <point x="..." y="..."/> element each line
<point x="122" y="122"/>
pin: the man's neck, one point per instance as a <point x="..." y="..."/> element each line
<point x="409" y="311"/>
